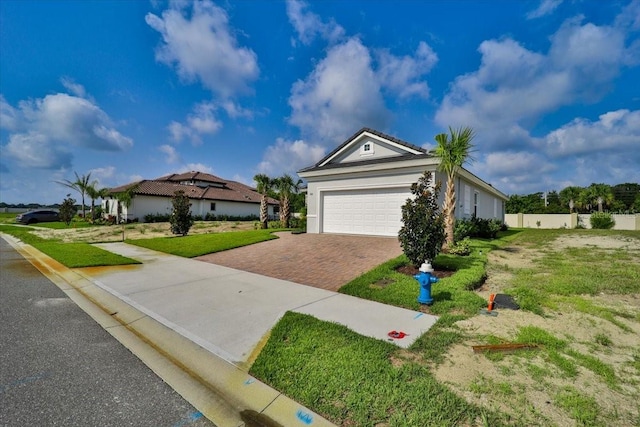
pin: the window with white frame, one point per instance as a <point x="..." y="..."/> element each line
<point x="475" y="203"/>
<point x="366" y="149"/>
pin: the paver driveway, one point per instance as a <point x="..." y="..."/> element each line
<point x="325" y="261"/>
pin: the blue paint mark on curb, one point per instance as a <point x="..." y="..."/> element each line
<point x="305" y="417"/>
<point x="194" y="416"/>
<point x="418" y="315"/>
<point x="249" y="381"/>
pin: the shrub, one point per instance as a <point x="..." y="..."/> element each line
<point x="477" y="227"/>
<point x="181" y="220"/>
<point x="422" y="233"/>
<point x="67" y="210"/>
<point x="274" y="224"/>
<point x="602" y="221"/>
<point x="158" y="217"/>
<point x="461" y="247"/>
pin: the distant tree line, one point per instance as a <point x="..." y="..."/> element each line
<point x="620" y="198"/>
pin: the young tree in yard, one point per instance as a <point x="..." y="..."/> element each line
<point x="67" y="210"/>
<point x="180" y="219"/>
<point x="454" y="150"/>
<point x="264" y="185"/>
<point x="80" y="185"/>
<point x="286" y="188"/>
<point x="422" y="233"/>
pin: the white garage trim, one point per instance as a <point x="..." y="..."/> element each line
<point x="373" y="211"/>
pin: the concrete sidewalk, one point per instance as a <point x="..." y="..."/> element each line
<point x="230" y="312"/>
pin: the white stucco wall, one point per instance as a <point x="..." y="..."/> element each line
<point x="623" y="221"/>
<point x="144" y="205"/>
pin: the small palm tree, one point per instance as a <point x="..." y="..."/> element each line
<point x="603" y="195"/>
<point x="286" y="187"/>
<point x="80" y="185"/>
<point x="94" y="194"/>
<point x="264" y="185"/>
<point x="454" y="149"/>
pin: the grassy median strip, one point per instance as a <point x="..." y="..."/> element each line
<point x="202" y="244"/>
<point x="72" y="255"/>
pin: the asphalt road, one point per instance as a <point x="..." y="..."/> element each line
<point x="60" y="368"/>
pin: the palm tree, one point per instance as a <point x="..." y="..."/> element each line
<point x="264" y="185"/>
<point x="569" y="196"/>
<point x="80" y="185"/>
<point x="286" y="187"/>
<point x="94" y="194"/>
<point x="601" y="195"/>
<point x="454" y="150"/>
<point x="126" y="198"/>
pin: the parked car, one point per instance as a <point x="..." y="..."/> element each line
<point x="40" y="215"/>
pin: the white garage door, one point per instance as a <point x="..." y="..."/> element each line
<point x="375" y="212"/>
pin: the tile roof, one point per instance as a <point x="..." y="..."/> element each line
<point x="166" y="186"/>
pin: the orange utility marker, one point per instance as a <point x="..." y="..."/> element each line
<point x="491" y="304"/>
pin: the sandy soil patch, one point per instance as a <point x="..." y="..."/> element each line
<point x="113" y="233"/>
<point x="526" y="384"/>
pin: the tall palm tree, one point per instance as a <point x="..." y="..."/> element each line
<point x="454" y="149"/>
<point x="569" y="196"/>
<point x="80" y="185"/>
<point x="264" y="185"/>
<point x="286" y="187"/>
<point x="94" y="194"/>
<point x="601" y="194"/>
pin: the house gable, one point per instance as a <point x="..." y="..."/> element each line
<point x="368" y="145"/>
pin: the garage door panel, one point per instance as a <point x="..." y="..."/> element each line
<point x="373" y="212"/>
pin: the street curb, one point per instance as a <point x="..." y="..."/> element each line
<point x="221" y="391"/>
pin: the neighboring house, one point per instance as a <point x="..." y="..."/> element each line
<point x="208" y="194"/>
<point x="360" y="187"/>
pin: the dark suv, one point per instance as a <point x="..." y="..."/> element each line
<point x="41" y="215"/>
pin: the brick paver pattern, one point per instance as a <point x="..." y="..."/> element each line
<point x="325" y="261"/>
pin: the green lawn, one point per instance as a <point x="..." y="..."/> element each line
<point x="202" y="244"/>
<point x="71" y="255"/>
<point x="358" y="381"/>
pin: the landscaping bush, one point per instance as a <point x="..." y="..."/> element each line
<point x="67" y="210"/>
<point x="274" y="224"/>
<point x="478" y="227"/>
<point x="602" y="221"/>
<point x="180" y="219"/>
<point x="158" y="217"/>
<point x="422" y="233"/>
<point x="461" y="247"/>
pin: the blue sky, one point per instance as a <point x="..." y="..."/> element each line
<point x="131" y="90"/>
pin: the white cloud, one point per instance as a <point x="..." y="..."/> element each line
<point x="200" y="167"/>
<point x="73" y="87"/>
<point x="35" y="150"/>
<point x="201" y="122"/>
<point x="289" y="157"/>
<point x="401" y="74"/>
<point x="202" y="46"/>
<point x="235" y="111"/>
<point x="341" y="95"/>
<point x="170" y="152"/>
<point x="617" y="131"/>
<point x="514" y="86"/>
<point x="8" y="115"/>
<point x="546" y="7"/>
<point x="45" y="131"/>
<point x="308" y="25"/>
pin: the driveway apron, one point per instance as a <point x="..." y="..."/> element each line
<point x="325" y="261"/>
